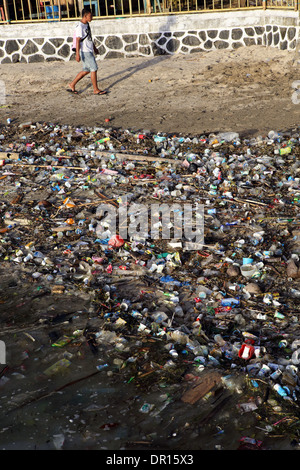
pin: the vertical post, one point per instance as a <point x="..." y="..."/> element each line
<point x="149" y="6"/>
<point x="29" y="9"/>
<point x="265" y="4"/>
<point x="6" y="10"/>
<point x="22" y="6"/>
<point x="15" y="10"/>
<point x="38" y="9"/>
<point x="80" y="7"/>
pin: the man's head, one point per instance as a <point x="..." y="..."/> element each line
<point x="87" y="14"/>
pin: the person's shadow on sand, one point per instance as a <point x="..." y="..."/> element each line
<point x="136" y="68"/>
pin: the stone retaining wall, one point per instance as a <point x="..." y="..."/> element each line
<point x="168" y="39"/>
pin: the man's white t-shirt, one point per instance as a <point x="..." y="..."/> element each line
<point x="81" y="32"/>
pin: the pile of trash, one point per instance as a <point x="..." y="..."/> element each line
<point x="208" y="315"/>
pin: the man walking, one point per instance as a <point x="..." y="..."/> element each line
<point x="85" y="51"/>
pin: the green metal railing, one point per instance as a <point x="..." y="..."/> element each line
<point x="17" y="11"/>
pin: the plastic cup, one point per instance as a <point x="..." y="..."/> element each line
<point x="248" y="270"/>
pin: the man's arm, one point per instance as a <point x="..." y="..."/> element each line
<point x="95" y="49"/>
<point x="78" y="49"/>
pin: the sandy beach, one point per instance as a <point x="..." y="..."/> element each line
<point x="248" y="90"/>
<point x="142" y="346"/>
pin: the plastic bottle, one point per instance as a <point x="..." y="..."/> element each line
<point x="219" y="340"/>
<point x="276" y="374"/>
<point x="285" y="151"/>
<point x="173" y="353"/>
<point x="101" y="366"/>
<point x="295" y="357"/>
<point x="229" y="302"/>
<point x="282" y="391"/>
<point x="101" y="141"/>
<point x="178" y="311"/>
<point x="295" y="344"/>
<point x="272" y="135"/>
<point x="264" y="371"/>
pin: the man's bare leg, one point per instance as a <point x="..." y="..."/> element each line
<point x="97" y="91"/>
<point x="78" y="77"/>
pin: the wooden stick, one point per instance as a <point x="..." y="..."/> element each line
<point x="250" y="201"/>
<point x="124" y="156"/>
<point x="93" y="203"/>
<point x="52" y="166"/>
<point x="48" y="394"/>
<point x="106" y="199"/>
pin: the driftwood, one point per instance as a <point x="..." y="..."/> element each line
<point x="202" y="386"/>
<point x="145" y="158"/>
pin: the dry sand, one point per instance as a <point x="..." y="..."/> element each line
<point x="247" y="91"/>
